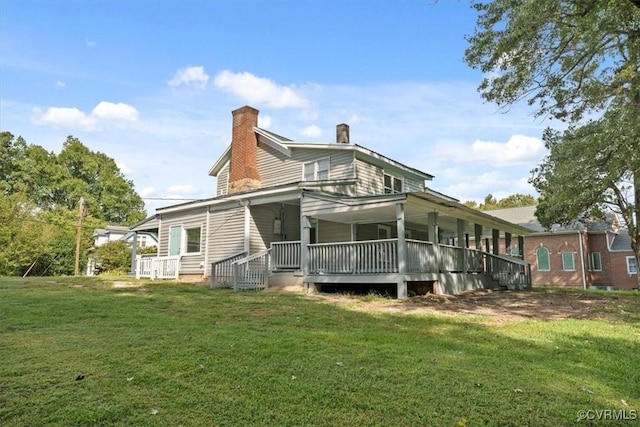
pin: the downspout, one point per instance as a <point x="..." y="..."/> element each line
<point x="584" y="274"/>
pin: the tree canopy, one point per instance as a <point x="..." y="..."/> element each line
<point x="577" y="61"/>
<point x="512" y="201"/>
<point x="39" y="195"/>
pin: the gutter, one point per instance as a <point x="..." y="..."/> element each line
<point x="584" y="274"/>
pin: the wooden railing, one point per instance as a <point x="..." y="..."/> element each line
<point x="222" y="271"/>
<point x="511" y="272"/>
<point x="422" y="257"/>
<point x="364" y="257"/>
<point x="155" y="267"/>
<point x="285" y="255"/>
<point x="252" y="272"/>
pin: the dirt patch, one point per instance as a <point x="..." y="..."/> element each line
<point x="502" y="306"/>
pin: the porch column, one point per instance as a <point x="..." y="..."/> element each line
<point x="247" y="228"/>
<point x="462" y="244"/>
<point x="507" y="242"/>
<point x="496" y="242"/>
<point x="305" y="230"/>
<point x="402" y="255"/>
<point x="478" y="232"/>
<point x="354" y="232"/>
<point x="134" y="252"/>
<point x="434" y="238"/>
<point x="521" y="245"/>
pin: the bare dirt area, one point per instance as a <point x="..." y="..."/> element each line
<point x="498" y="307"/>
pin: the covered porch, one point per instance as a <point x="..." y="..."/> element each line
<point x="409" y="240"/>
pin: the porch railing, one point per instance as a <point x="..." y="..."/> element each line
<point x="285" y="255"/>
<point x="155" y="267"/>
<point x="222" y="270"/>
<point x="252" y="272"/>
<point x="511" y="272"/>
<point x="364" y="257"/>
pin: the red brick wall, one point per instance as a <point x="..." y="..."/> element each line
<point x="556" y="244"/>
<point x="243" y="169"/>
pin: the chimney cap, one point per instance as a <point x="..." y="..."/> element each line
<point x="342" y="133"/>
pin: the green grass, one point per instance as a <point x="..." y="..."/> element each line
<point x="178" y="354"/>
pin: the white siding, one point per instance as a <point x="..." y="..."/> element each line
<point x="370" y="178"/>
<point x="189" y="263"/>
<point x="222" y="183"/>
<point x="333" y="232"/>
<point x="262" y="225"/>
<point x="226" y="234"/>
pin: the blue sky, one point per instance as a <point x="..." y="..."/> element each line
<point x="152" y="84"/>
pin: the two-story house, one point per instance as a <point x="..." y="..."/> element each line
<point x="327" y="214"/>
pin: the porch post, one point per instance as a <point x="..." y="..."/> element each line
<point x="402" y="256"/>
<point x="478" y="232"/>
<point x="495" y="242"/>
<point x="305" y="229"/>
<point x="434" y="237"/>
<point x="134" y="247"/>
<point x="521" y="245"/>
<point x="462" y="244"/>
<point x="247" y="228"/>
<point x="507" y="241"/>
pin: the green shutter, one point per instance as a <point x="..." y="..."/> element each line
<point x="175" y="239"/>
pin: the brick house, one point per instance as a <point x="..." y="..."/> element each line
<point x="596" y="254"/>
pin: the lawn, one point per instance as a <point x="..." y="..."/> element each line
<point x="86" y="352"/>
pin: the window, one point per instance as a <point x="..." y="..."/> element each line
<point x="191" y="243"/>
<point x="392" y="184"/>
<point x="542" y="256"/>
<point x="317" y="170"/>
<point x="632" y="265"/>
<point x="595" y="261"/>
<point x="567" y="261"/>
<point x="384" y="232"/>
<point x="193" y="240"/>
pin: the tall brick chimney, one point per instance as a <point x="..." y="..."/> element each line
<point x="342" y="133"/>
<point x="243" y="169"/>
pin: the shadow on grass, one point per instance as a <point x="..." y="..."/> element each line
<point x="167" y="354"/>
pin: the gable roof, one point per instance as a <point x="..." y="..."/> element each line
<point x="285" y="145"/>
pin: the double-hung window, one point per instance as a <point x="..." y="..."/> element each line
<point x="317" y="170"/>
<point x="568" y="263"/>
<point x="392" y="184"/>
<point x="632" y="265"/>
<point x="595" y="261"/>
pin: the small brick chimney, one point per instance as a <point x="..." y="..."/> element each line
<point x="243" y="169"/>
<point x="342" y="134"/>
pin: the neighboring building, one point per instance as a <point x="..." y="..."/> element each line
<point x="596" y="254"/>
<point x="118" y="232"/>
<point x="327" y="214"/>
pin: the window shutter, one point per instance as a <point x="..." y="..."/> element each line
<point x="175" y="240"/>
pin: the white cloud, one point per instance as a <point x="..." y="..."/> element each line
<point x="182" y="189"/>
<point x="63" y="117"/>
<point x="90" y="43"/>
<point x="519" y="149"/>
<point x="264" y="121"/>
<point x="312" y="131"/>
<point x="147" y="191"/>
<point x="124" y="168"/>
<point x="259" y="90"/>
<point x="119" y="112"/>
<point x="60" y="84"/>
<point x="194" y="77"/>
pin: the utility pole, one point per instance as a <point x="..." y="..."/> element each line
<point x="76" y="267"/>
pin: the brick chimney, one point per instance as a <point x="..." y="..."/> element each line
<point x="342" y="134"/>
<point x="243" y="169"/>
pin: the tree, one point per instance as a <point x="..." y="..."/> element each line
<point x="113" y="257"/>
<point x="570" y="59"/>
<point x="512" y="201"/>
<point x="51" y="186"/>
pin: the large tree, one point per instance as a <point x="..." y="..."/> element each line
<point x="40" y="192"/>
<point x="577" y="61"/>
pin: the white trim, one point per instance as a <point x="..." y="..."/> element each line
<point x="629" y="258"/>
<point x="573" y="261"/>
<point x="315" y="165"/>
<point x="393" y="179"/>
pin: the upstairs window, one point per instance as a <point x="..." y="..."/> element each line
<point x="542" y="257"/>
<point x="392" y="184"/>
<point x="632" y="265"/>
<point x="317" y="170"/>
